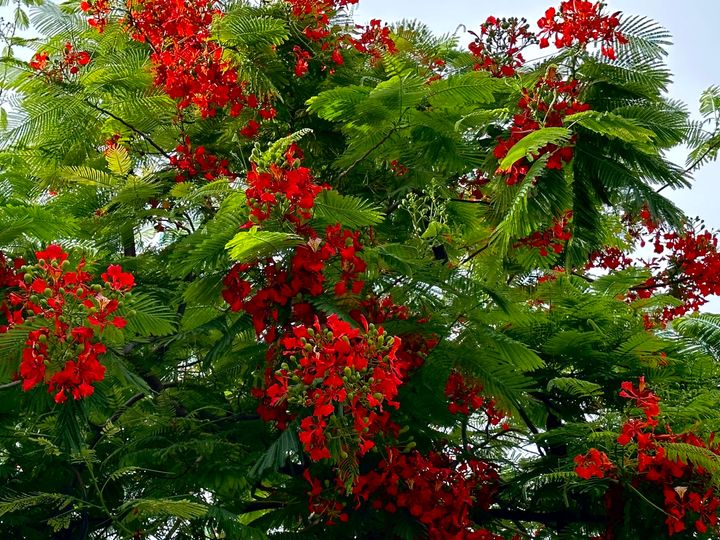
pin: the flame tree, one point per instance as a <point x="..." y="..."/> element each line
<point x="267" y="272"/>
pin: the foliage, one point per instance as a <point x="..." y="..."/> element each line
<point x="382" y="286"/>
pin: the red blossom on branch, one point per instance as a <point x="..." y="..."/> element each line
<point x="68" y="315"/>
<point x="546" y="105"/>
<point x="579" y="22"/>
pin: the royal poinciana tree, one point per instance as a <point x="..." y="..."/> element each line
<point x="267" y="272"/>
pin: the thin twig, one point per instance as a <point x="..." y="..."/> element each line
<point x="144" y="135"/>
<point x="366" y="154"/>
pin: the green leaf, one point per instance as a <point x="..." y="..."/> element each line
<point x="331" y="207"/>
<point x="118" y="160"/>
<point x="529" y="145"/>
<point x="245" y="27"/>
<point x="574" y="387"/>
<point x="253" y="244"/>
<point x="473" y="88"/>
<point x="613" y="126"/>
<point x="151" y="317"/>
<point x="285" y="447"/>
<point x="182" y="508"/>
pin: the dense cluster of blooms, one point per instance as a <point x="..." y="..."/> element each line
<point x="465" y="397"/>
<point x="69" y="64"/>
<point x="197" y="162"/>
<point x="188" y="65"/>
<point x="67" y="315"/>
<point x="316" y="16"/>
<point x="285" y="288"/>
<point x="554" y="237"/>
<point x="579" y="22"/>
<point x="288" y="190"/>
<point x="546" y="105"/>
<point x="687" y="487"/>
<point x="340" y="379"/>
<point x="685" y="264"/>
<point x="433" y="489"/>
<point x="499" y="45"/>
<point x="593" y="463"/>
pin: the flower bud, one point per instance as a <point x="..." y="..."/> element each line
<point x="28" y="278"/>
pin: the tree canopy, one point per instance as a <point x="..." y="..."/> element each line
<point x="269" y="273"/>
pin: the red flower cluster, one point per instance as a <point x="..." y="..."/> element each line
<point x="470" y="185"/>
<point x="398" y="169"/>
<point x="465" y="397"/>
<point x="305" y="278"/>
<point x="546" y="106"/>
<point x="188" y="65"/>
<point x="98" y="12"/>
<point x="612" y="258"/>
<point x="302" y="60"/>
<point x="340" y="380"/>
<point x="197" y="162"/>
<point x="686" y="264"/>
<point x="685" y="485"/>
<point x="373" y="40"/>
<point x="317" y="15"/>
<point x="581" y="22"/>
<point x="434" y="490"/>
<point x="498" y="48"/>
<point x="593" y="463"/>
<point x="553" y="238"/>
<point x="67" y="313"/>
<point x="290" y="188"/>
<point x="325" y="502"/>
<point x="69" y="64"/>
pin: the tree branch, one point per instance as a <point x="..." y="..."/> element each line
<point x="144" y="135"/>
<point x="9" y="385"/>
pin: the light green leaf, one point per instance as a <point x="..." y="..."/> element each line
<point x="253" y="244"/>
<point x="533" y="142"/>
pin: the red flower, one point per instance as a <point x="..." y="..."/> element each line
<point x="593" y="463"/>
<point x="53" y="253"/>
<point x="117" y="279"/>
